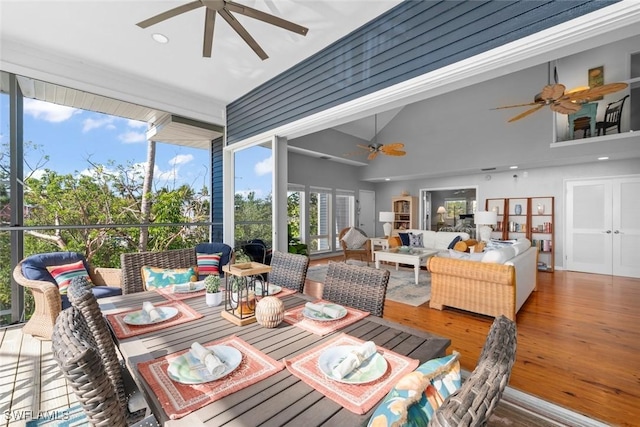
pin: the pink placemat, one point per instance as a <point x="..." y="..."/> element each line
<point x="179" y="399"/>
<point x="124" y="330"/>
<point x="358" y="398"/>
<point x="284" y="292"/>
<point x="168" y="293"/>
<point x="295" y="317"/>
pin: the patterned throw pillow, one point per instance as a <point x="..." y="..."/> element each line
<point x="208" y="263"/>
<point x="418" y="394"/>
<point x="64" y="273"/>
<point x="154" y="277"/>
<point x="354" y="239"/>
<point x="415" y="240"/>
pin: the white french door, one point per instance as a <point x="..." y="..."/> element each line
<point x="603" y="226"/>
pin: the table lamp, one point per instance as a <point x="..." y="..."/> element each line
<point x="387" y="218"/>
<point x="483" y="220"/>
<point x="441" y="210"/>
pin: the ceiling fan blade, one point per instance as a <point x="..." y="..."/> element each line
<point x="209" y="25"/>
<point x="265" y="17"/>
<point x="526" y="113"/>
<point x="392" y="146"/>
<point x="372" y="156"/>
<point x="551" y="92"/>
<point x="565" y="107"/>
<point x="365" y="147"/>
<point x="528" y="104"/>
<point x="242" y="32"/>
<point x="169" y="14"/>
<point x="395" y="153"/>
<point x="596" y="92"/>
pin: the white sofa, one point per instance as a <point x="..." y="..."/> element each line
<point x="492" y="283"/>
<point x="438" y="240"/>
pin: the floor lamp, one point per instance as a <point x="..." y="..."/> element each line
<point x="483" y="220"/>
<point x="387" y="218"/>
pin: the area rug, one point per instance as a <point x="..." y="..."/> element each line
<point x="401" y="288"/>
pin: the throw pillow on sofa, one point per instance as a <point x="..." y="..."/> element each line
<point x="454" y="241"/>
<point x="499" y="256"/>
<point x="415" y="240"/>
<point x="404" y="238"/>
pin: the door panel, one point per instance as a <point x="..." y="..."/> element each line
<point x="366" y="214"/>
<point x="626" y="227"/>
<point x="588" y="237"/>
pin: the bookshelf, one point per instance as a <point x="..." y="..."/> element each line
<point x="530" y="217"/>
<point x="405" y="213"/>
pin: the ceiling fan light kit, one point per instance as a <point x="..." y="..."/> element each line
<point x="224" y="9"/>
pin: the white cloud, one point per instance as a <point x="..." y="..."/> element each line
<point x="102" y="122"/>
<point x="49" y="112"/>
<point x="164" y="177"/>
<point x="38" y="173"/>
<point x="264" y="167"/>
<point x="181" y="159"/>
<point x="136" y="124"/>
<point x="132" y="137"/>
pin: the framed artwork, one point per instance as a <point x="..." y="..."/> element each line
<point x="596" y="78"/>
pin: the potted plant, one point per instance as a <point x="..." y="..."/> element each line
<point x="212" y="290"/>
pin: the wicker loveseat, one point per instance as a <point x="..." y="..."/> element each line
<point x="492" y="289"/>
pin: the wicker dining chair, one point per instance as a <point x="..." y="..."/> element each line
<point x="83" y="300"/>
<point x="132" y="263"/>
<point x="289" y="270"/>
<point x="75" y="352"/>
<point x="356" y="286"/>
<point x="474" y="402"/>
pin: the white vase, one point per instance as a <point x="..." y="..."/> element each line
<point x="213" y="299"/>
<point x="540" y="209"/>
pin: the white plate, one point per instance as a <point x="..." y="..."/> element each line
<point x="370" y="370"/>
<point x="187" y="369"/>
<point x="314" y="315"/>
<point x="273" y="289"/>
<point x="197" y="286"/>
<point x="139" y="317"/>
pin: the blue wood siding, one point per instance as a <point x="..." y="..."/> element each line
<point x="217" y="230"/>
<point x="412" y="39"/>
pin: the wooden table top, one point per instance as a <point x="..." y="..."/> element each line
<point x="281" y="399"/>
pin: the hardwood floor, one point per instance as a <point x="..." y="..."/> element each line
<point x="578" y="342"/>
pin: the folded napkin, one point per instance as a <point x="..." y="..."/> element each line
<point x="214" y="365"/>
<point x="332" y="312"/>
<point x="151" y="311"/>
<point x="354" y="359"/>
<point x="184" y="287"/>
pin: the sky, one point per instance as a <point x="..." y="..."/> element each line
<point x="72" y="137"/>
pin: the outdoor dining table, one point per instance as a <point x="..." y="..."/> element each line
<point x="280" y="399"/>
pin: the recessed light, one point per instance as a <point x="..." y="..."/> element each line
<point x="603" y="158"/>
<point x="387" y="179"/>
<point x="513" y="167"/>
<point x="160" y="38"/>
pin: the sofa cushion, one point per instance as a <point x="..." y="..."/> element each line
<point x="499" y="256"/>
<point x="521" y="245"/>
<point x="213" y="248"/>
<point x="98" y="291"/>
<point x="34" y="267"/>
<point x="354" y="239"/>
<point x="208" y="263"/>
<point x="404" y="239"/>
<point x="455" y="240"/>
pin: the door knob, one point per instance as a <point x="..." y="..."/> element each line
<point x="608" y="231"/>
<point x="616" y="232"/>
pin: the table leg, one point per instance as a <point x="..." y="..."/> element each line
<point x="377" y="263"/>
<point x="416" y="268"/>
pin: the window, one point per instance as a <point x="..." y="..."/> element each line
<point x="319" y="220"/>
<point x="295" y="213"/>
<point x="345" y="211"/>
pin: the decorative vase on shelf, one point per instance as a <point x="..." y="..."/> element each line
<point x="518" y="209"/>
<point x="540" y="208"/>
<point x="496" y="210"/>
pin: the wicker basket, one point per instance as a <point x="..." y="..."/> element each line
<point x="270" y="312"/>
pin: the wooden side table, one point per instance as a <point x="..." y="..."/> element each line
<point x="378" y="241"/>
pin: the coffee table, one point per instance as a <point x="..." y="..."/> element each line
<point x="415" y="257"/>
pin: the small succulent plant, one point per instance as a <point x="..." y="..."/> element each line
<point x="212" y="284"/>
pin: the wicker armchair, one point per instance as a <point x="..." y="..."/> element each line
<point x="75" y="352"/>
<point x="133" y="262"/>
<point x="356" y="286"/>
<point x="363" y="253"/>
<point x="46" y="295"/>
<point x="475" y="401"/>
<point x="289" y="270"/>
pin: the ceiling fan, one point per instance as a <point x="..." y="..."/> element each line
<point x="562" y="102"/>
<point x="224" y="9"/>
<point x="393" y="149"/>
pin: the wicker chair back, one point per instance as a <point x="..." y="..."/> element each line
<point x="289" y="270"/>
<point x="132" y="263"/>
<point x="356" y="286"/>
